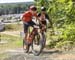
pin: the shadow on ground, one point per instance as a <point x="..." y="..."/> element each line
<point x="51" y="52"/>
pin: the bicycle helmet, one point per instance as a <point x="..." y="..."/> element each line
<point x="43" y="9"/>
<point x="33" y="8"/>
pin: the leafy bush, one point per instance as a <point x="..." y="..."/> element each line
<point x="62" y="14"/>
<point x="67" y="38"/>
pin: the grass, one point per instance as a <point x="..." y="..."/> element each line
<point x="13" y="27"/>
<point x="12" y="42"/>
<point x="3" y="56"/>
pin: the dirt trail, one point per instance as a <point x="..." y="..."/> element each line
<point x="18" y="54"/>
<point x="13" y="33"/>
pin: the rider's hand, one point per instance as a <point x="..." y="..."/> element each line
<point x="43" y="25"/>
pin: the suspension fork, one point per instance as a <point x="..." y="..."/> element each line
<point x="32" y="35"/>
<point x="34" y="31"/>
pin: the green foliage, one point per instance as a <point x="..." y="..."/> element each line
<point x="12" y="42"/>
<point x="67" y="36"/>
<point x="62" y="14"/>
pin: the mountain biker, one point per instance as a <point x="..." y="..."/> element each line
<point x="27" y="19"/>
<point x="43" y="17"/>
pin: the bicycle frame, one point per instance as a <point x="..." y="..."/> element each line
<point x="31" y="35"/>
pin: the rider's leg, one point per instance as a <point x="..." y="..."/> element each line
<point x="31" y="23"/>
<point x="44" y="26"/>
<point x="26" y="25"/>
<point x="34" y="33"/>
<point x="25" y="32"/>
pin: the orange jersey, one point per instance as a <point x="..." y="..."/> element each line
<point x="27" y="16"/>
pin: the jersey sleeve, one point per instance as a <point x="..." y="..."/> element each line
<point x="23" y="16"/>
<point x="39" y="14"/>
<point x="47" y="17"/>
<point x="26" y="15"/>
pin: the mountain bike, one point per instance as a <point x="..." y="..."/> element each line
<point x="36" y="39"/>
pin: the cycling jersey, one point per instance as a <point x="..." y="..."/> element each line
<point x="43" y="16"/>
<point x="27" y="16"/>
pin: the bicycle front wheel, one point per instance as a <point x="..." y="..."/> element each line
<point x="39" y="44"/>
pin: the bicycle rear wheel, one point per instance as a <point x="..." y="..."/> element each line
<point x="38" y="48"/>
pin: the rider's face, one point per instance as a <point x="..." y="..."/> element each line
<point x="33" y="12"/>
<point x="43" y="12"/>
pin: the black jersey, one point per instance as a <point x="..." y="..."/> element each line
<point x="46" y="16"/>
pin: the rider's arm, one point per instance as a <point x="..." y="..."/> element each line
<point x="38" y="15"/>
<point x="47" y="17"/>
<point x="23" y="16"/>
<point x="37" y="18"/>
<point x="26" y="16"/>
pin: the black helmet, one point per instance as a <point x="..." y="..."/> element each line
<point x="43" y="9"/>
<point x="33" y="8"/>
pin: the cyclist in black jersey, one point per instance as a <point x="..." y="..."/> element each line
<point x="43" y="17"/>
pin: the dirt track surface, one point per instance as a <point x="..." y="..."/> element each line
<point x="18" y="54"/>
<point x="45" y="55"/>
<point x="13" y="33"/>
